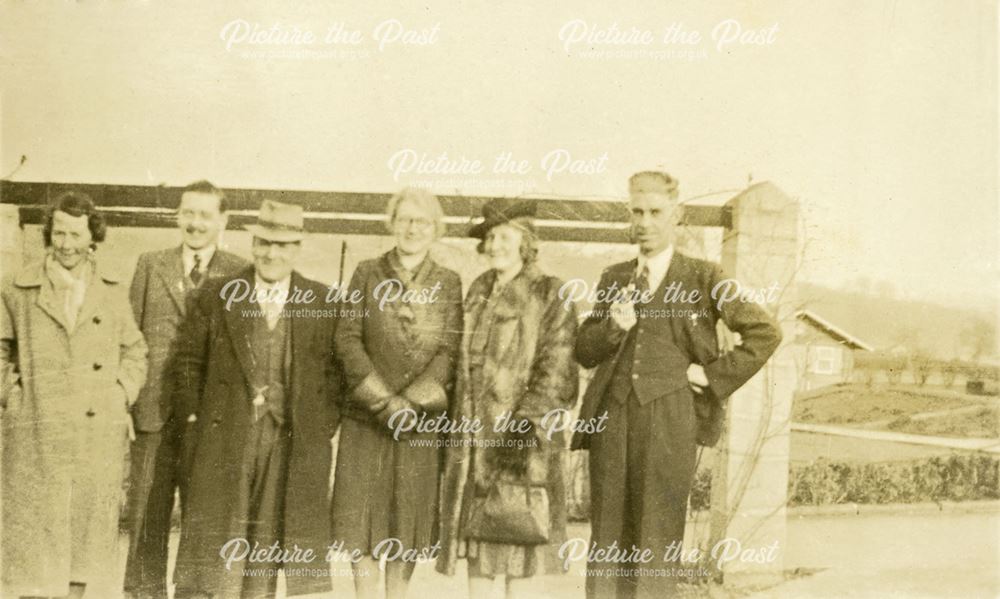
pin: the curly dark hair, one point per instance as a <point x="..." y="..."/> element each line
<point x="76" y="203"/>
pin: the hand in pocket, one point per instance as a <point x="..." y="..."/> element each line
<point x="128" y="412"/>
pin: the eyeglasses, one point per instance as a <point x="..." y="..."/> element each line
<point x="419" y="223"/>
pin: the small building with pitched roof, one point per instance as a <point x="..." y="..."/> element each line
<point x="824" y="352"/>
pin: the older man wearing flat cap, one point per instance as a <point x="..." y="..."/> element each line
<point x="254" y="370"/>
<point x="662" y="380"/>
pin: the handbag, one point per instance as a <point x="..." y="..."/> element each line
<point x="513" y="513"/>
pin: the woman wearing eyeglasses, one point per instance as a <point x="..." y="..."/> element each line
<point x="398" y="347"/>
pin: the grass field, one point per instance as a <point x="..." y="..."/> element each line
<point x="809" y="447"/>
<point x="909" y="410"/>
<point x="979" y="422"/>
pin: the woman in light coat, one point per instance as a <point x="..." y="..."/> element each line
<point x="73" y="362"/>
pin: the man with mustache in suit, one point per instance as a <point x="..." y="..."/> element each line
<point x="160" y="288"/>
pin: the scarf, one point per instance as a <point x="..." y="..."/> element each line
<point x="70" y="287"/>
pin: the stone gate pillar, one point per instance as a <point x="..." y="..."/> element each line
<point x="750" y="478"/>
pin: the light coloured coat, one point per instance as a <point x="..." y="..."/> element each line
<point x="65" y="395"/>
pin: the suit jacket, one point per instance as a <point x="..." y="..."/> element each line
<point x="692" y="331"/>
<point x="158" y="295"/>
<point x="212" y="370"/>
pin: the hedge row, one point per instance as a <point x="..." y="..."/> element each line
<point x="959" y="477"/>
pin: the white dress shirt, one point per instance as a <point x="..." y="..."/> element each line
<point x="657" y="265"/>
<point x="272" y="297"/>
<point x="205" y="254"/>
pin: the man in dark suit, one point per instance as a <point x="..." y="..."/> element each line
<point x="255" y="369"/>
<point x="662" y="380"/>
<point x="160" y="288"/>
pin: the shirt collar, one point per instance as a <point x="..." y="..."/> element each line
<point x="658" y="265"/>
<point x="205" y="254"/>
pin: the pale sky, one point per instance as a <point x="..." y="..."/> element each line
<point x="879" y="116"/>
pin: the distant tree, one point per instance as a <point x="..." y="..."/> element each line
<point x="949" y="371"/>
<point x="868" y="375"/>
<point x="891" y="363"/>
<point x="922" y="367"/>
<point x="979" y="338"/>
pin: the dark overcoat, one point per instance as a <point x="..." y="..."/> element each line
<point x="372" y="338"/>
<point x="385" y="488"/>
<point x="158" y="295"/>
<point x="212" y="370"/>
<point x="159" y="291"/>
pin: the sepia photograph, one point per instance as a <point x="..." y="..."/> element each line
<point x="467" y="300"/>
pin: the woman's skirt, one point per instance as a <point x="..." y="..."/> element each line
<point x="385" y="492"/>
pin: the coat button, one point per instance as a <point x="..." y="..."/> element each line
<point x="635" y="377"/>
<point x="97" y="365"/>
<point x="91" y="413"/>
<point x="97" y="320"/>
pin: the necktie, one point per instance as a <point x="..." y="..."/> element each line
<point x="196" y="273"/>
<point x="642" y="280"/>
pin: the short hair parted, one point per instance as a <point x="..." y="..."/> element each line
<point x="653" y="181"/>
<point x="75" y="203"/>
<point x="204" y="186"/>
<point x="425" y="200"/>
